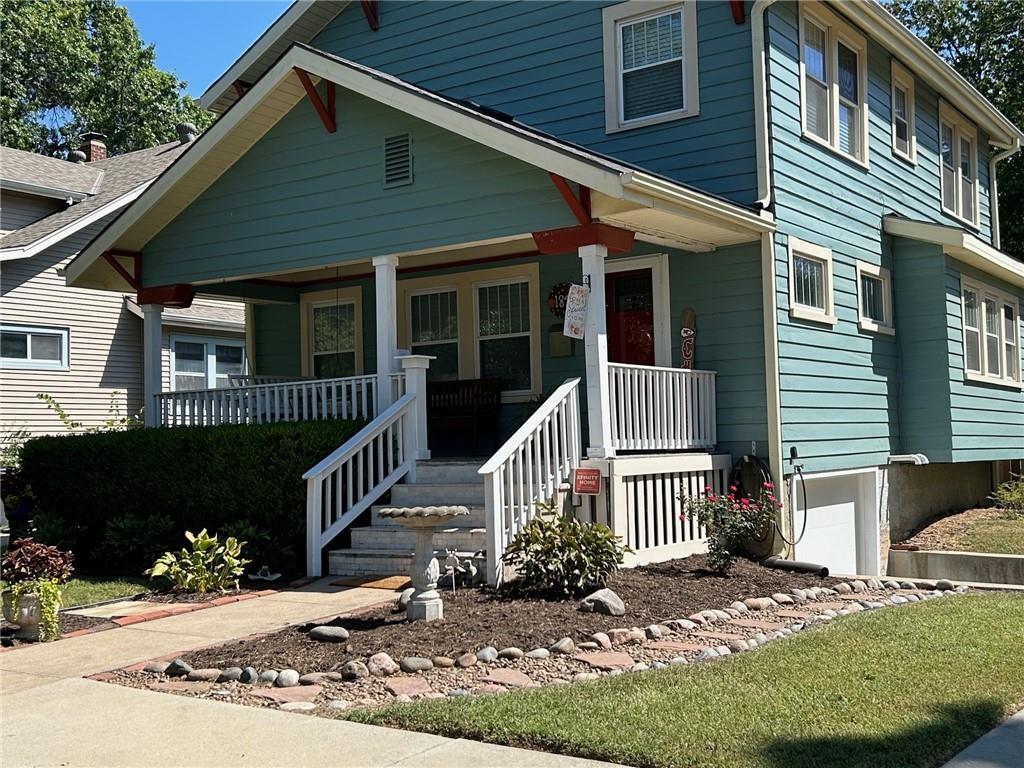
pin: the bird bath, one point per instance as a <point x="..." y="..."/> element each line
<point x="425" y="603"/>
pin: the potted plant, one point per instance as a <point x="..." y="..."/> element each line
<point x="33" y="573"/>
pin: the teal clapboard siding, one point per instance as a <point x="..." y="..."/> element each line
<point x="276" y="335"/>
<point x="302" y="198"/>
<point x="542" y="63"/>
<point x="840" y="388"/>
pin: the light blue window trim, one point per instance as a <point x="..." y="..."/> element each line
<point x="34" y="348"/>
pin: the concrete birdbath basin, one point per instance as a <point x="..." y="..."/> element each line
<point x="425" y="603"/>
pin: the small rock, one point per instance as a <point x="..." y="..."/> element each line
<point x="945" y="585"/>
<point x="159" y="667"/>
<point x="444" y="662"/>
<point x="707" y="653"/>
<point x="297" y="706"/>
<point x="432" y="695"/>
<point x="286" y="678"/>
<point x="538" y="653"/>
<point x="410" y="686"/>
<point x="487" y="654"/>
<point x="312" y="678"/>
<point x="489" y="688"/>
<point x="908" y="585"/>
<point x="603" y="601"/>
<point x="636" y="635"/>
<point x="268" y="676"/>
<point x="720" y="615"/>
<point x="339" y="704"/>
<point x="925" y="584"/>
<point x="466" y="660"/>
<point x="178" y="668"/>
<point x="710" y="616"/>
<point x="653" y="632"/>
<point x="229" y="675"/>
<point x="875" y="605"/>
<point x="800" y="595"/>
<point x="741" y="607"/>
<point x="659" y="665"/>
<point x="683" y="625"/>
<point x="898" y="599"/>
<point x="588" y="645"/>
<point x="249" y="676"/>
<point x="854" y="608"/>
<point x="639" y="667"/>
<point x="456" y="693"/>
<point x="415" y="664"/>
<point x="203" y="675"/>
<point x="583" y="677"/>
<point x="733" y="613"/>
<point x="696" y="618"/>
<point x="381" y="665"/>
<point x="782" y="599"/>
<point x="613" y="673"/>
<point x="328" y="634"/>
<point x="510" y="678"/>
<point x="677" y="661"/>
<point x="723" y="650"/>
<point x="511" y="653"/>
<point x="602" y="640"/>
<point x="738" y="645"/>
<point x="874" y="584"/>
<point x="402" y="603"/>
<point x="858" y="586"/>
<point x="335" y="677"/>
<point x="843" y="588"/>
<point x="961" y="589"/>
<point x="403" y="698"/>
<point x="892" y="584"/>
<point x="564" y="646"/>
<point x="354" y="670"/>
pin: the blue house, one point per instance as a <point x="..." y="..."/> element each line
<point x="684" y="244"/>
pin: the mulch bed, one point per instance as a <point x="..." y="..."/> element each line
<point x="176" y="596"/>
<point x="478" y="617"/>
<point x="69" y="622"/>
<point x="947" y="532"/>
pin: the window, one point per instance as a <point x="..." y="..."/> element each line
<point x="874" y="298"/>
<point x="904" y="140"/>
<point x="334" y="339"/>
<point x="833" y="67"/>
<point x="35" y="348"/>
<point x="434" y="330"/>
<point x="503" y="334"/>
<point x="810" y="282"/>
<point x="959" y="166"/>
<point x="205" y="363"/>
<point x="650" y="63"/>
<point x="991" y="334"/>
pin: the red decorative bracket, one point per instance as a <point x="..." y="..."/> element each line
<point x="326" y="111"/>
<point x="370" y="10"/>
<point x="133" y="278"/>
<point x="568" y="239"/>
<point x="738" y="14"/>
<point x="178" y="296"/>
<point x="580" y="206"/>
<point x="241" y="87"/>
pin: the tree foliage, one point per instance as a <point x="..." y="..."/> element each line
<point x="79" y="65"/>
<point x="984" y="41"/>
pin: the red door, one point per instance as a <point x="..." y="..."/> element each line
<point x="629" y="305"/>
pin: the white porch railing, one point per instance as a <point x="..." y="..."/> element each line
<point x="661" y="409"/>
<point x="351" y="397"/>
<point x="531" y="466"/>
<point x="349" y="480"/>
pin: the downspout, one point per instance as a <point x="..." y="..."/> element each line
<point x="993" y="189"/>
<point x="764" y="187"/>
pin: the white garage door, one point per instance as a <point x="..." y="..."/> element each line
<point x="831" y="537"/>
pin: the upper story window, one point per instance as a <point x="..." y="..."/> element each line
<point x="650" y="63"/>
<point x="904" y="140"/>
<point x="991" y="334"/>
<point x="833" y="84"/>
<point x="958" y="142"/>
<point x="32" y="347"/>
<point x="810" y="282"/>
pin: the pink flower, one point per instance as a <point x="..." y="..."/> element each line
<point x="708" y="489"/>
<point x="732" y="488"/>
<point x="768" y="485"/>
<point x="711" y="497"/>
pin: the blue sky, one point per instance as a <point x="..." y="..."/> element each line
<point x="199" y="39"/>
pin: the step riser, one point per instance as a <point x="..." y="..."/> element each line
<point x="422" y="495"/>
<point x="475" y="518"/>
<point x="466" y="540"/>
<point x="447" y="473"/>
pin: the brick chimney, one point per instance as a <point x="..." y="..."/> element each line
<point x="94" y="147"/>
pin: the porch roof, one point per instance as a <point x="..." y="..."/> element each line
<point x="623" y="194"/>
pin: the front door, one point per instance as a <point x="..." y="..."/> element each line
<point x="629" y="306"/>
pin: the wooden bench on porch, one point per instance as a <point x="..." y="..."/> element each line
<point x="462" y="416"/>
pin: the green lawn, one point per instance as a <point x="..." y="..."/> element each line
<point x="897" y="688"/>
<point x="93" y="589"/>
<point x="1000" y="536"/>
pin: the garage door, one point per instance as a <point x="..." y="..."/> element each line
<point x="831" y="537"/>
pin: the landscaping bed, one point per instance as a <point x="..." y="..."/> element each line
<point x="69" y="622"/>
<point x="976" y="530"/>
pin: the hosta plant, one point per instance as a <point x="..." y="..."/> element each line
<point x="207" y="566"/>
<point x="730" y="519"/>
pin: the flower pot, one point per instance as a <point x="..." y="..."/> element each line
<point x="26" y="616"/>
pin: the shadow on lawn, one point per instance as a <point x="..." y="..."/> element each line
<point x="950" y="730"/>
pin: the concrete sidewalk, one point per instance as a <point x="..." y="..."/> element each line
<point x="1002" y="747"/>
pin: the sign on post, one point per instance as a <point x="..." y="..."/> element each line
<point x="586" y="482"/>
<point x="575" y="311"/>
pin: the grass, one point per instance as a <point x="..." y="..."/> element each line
<point x="896" y="688"/>
<point x="1002" y="536"/>
<point x="93" y="589"/>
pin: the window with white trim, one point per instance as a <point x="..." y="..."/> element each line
<point x="33" y="347"/>
<point x="958" y="141"/>
<point x="334" y="339"/>
<point x="874" y="298"/>
<point x="833" y="84"/>
<point x="650" y="63"/>
<point x="904" y="140"/>
<point x="810" y="282"/>
<point x="205" y="363"/>
<point x="434" y="330"/>
<point x="503" y="334"/>
<point x="991" y="334"/>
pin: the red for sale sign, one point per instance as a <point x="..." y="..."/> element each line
<point x="586" y="482"/>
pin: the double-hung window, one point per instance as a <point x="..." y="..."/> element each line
<point x="33" y="347"/>
<point x="958" y="141"/>
<point x="904" y="140"/>
<point x="833" y="83"/>
<point x="991" y="334"/>
<point x="650" y="63"/>
<point x="334" y="339"/>
<point x="503" y="334"/>
<point x="874" y="298"/>
<point x="434" y="330"/>
<point x="810" y="282"/>
<point x="205" y="363"/>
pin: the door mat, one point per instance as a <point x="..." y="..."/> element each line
<point x="374" y="582"/>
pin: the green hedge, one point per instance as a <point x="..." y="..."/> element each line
<point x="119" y="499"/>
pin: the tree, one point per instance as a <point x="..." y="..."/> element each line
<point x="79" y="65"/>
<point x="984" y="41"/>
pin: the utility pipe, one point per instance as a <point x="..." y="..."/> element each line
<point x="764" y="187"/>
<point x="993" y="188"/>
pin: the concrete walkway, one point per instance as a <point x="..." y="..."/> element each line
<point x="1002" y="747"/>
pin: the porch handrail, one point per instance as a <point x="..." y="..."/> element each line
<point x="347" y="481"/>
<point x="531" y="466"/>
<point x="662" y="409"/>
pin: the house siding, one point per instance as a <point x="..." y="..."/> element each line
<point x="17" y="211"/>
<point x="542" y="62"/>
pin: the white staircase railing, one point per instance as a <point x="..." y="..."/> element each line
<point x="353" y="477"/>
<point x="351" y="397"/>
<point x="531" y="466"/>
<point x="661" y="409"/>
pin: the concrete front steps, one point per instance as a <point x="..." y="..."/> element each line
<point x="385" y="548"/>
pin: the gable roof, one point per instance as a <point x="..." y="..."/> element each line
<point x="304" y="20"/>
<point x="47" y="176"/>
<point x="108" y="185"/>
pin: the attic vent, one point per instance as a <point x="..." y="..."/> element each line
<point x="397" y="160"/>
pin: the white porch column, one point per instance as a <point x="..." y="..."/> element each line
<point x="415" y="367"/>
<point x="151" y="364"/>
<point x="386" y="283"/>
<point x="595" y="346"/>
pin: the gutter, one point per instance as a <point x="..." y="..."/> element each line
<point x="43" y="191"/>
<point x="764" y="185"/>
<point x="993" y="189"/>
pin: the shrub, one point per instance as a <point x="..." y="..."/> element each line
<point x="561" y="556"/>
<point x="208" y="565"/>
<point x="28" y="560"/>
<point x="1010" y="496"/>
<point x="116" y="498"/>
<point x="730" y="520"/>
